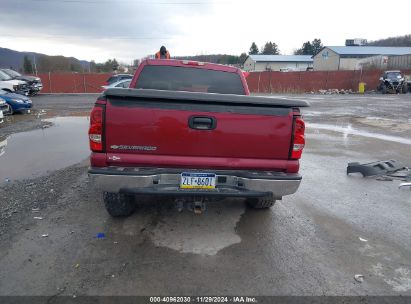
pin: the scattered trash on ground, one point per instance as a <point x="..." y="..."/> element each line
<point x="334" y="91"/>
<point x="384" y="179"/>
<point x="35" y="210"/>
<point x="115" y="242"/>
<point x="37" y="218"/>
<point x="44" y="235"/>
<point x="100" y="235"/>
<point x="359" y="278"/>
<point x="362" y="240"/>
<point x="41" y="113"/>
<point x="77" y="266"/>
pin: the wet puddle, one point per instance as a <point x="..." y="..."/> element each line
<point x="348" y="130"/>
<point x="34" y="153"/>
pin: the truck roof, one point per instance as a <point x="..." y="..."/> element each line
<point x="192" y="63"/>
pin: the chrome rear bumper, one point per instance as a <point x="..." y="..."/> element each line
<point x="232" y="183"/>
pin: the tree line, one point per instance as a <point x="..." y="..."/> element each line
<point x="271" y="48"/>
<point x="45" y="64"/>
<point x="392" y="41"/>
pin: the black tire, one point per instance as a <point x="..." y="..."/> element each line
<point x="383" y="89"/>
<point x="119" y="204"/>
<point x="260" y="203"/>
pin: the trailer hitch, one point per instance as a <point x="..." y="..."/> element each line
<point x="196" y="204"/>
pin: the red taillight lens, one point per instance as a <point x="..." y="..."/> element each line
<point x="298" y="138"/>
<point x="95" y="132"/>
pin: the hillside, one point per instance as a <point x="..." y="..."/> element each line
<point x="44" y="63"/>
<point x="393" y="41"/>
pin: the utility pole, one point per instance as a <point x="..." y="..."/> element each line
<point x="35" y="66"/>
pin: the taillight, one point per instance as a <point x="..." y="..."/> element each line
<point x="298" y="138"/>
<point x="95" y="132"/>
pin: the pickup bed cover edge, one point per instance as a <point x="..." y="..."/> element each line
<point x="206" y="97"/>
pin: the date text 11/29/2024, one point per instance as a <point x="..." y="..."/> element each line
<point x="203" y="299"/>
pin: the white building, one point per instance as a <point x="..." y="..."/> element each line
<point x="259" y="63"/>
<point x="334" y="58"/>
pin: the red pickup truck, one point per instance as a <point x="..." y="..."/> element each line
<point x="187" y="130"/>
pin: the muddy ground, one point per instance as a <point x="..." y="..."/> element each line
<point x="311" y="243"/>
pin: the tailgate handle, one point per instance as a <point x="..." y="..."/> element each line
<point x="202" y="123"/>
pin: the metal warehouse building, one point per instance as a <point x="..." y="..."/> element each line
<point x="332" y="58"/>
<point x="259" y="63"/>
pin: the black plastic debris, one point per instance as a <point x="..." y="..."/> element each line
<point x="382" y="167"/>
<point x="403" y="185"/>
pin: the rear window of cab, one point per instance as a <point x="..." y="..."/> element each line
<point x="173" y="78"/>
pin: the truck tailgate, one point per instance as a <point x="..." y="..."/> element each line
<point x="196" y="132"/>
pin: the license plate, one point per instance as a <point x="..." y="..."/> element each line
<point x="197" y="180"/>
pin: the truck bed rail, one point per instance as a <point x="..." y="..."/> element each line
<point x="209" y="98"/>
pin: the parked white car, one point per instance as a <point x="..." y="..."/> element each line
<point x="1" y="116"/>
<point x="13" y="85"/>
<point x="125" y="83"/>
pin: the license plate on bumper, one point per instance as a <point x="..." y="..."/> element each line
<point x="191" y="180"/>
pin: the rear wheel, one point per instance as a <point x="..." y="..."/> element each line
<point x="260" y="203"/>
<point x="119" y="204"/>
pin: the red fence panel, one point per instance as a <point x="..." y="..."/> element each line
<point x="73" y="82"/>
<point x="307" y="81"/>
<point x="258" y="82"/>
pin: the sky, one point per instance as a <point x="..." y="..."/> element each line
<point x="132" y="29"/>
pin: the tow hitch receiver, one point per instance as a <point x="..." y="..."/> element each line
<point x="197" y="205"/>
